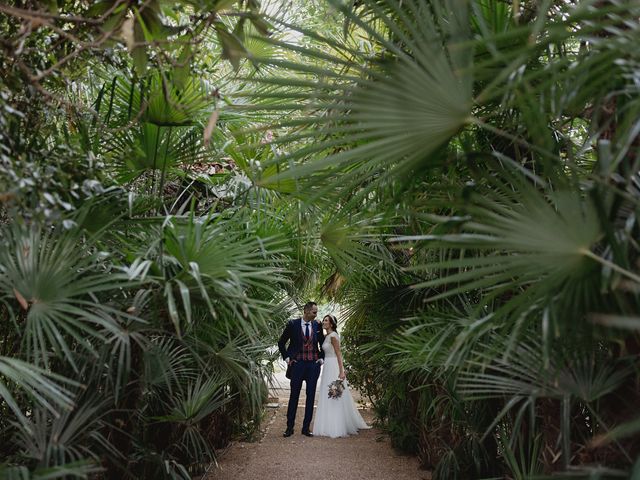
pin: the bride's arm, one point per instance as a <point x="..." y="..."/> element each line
<point x="336" y="347"/>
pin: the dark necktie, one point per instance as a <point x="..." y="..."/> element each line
<point x="306" y="329"/>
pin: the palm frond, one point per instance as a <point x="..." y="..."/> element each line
<point x="66" y="439"/>
<point x="587" y="377"/>
<point x="378" y="117"/>
<point x="189" y="407"/>
<point x="525" y="241"/>
<point x="220" y="265"/>
<point x="80" y="470"/>
<point x="43" y="386"/>
<point x="53" y="285"/>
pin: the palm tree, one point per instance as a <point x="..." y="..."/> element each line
<point x="460" y="175"/>
<point x="136" y="317"/>
<point x="502" y="162"/>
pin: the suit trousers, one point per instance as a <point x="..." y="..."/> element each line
<point x="308" y="372"/>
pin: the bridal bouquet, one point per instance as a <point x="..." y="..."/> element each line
<point x="335" y="389"/>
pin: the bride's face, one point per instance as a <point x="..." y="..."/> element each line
<point x="326" y="324"/>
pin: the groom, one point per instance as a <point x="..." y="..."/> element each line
<point x="304" y="355"/>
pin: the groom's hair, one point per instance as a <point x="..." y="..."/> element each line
<point x="308" y="305"/>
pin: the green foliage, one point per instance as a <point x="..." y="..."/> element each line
<point x="138" y="296"/>
<point x="493" y="318"/>
<point x="461" y="176"/>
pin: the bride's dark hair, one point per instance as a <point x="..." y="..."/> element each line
<point x="333" y="321"/>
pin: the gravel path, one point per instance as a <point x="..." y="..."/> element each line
<point x="367" y="456"/>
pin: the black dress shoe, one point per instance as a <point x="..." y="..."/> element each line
<point x="288" y="432"/>
<point x="307" y="433"/>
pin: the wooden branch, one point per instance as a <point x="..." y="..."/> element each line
<point x="84" y="46"/>
<point x="37" y="14"/>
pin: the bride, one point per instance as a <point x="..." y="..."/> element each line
<point x="335" y="417"/>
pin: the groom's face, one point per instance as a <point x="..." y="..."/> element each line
<point x="311" y="313"/>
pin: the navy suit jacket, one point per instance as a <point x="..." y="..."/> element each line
<point x="293" y="335"/>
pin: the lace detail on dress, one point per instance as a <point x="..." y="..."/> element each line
<point x="327" y="346"/>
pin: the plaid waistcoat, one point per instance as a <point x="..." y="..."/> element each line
<point x="309" y="352"/>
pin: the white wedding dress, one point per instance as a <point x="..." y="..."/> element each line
<point x="335" y="417"/>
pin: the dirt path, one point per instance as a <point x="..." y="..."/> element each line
<point x="367" y="456"/>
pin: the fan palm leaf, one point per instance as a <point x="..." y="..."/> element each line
<point x="156" y="99"/>
<point x="168" y="364"/>
<point x="222" y="264"/>
<point x="528" y="243"/>
<point x="393" y="113"/>
<point x="361" y="119"/>
<point x="587" y="377"/>
<point x="41" y="385"/>
<point x="150" y="148"/>
<point x="152" y="125"/>
<point x="189" y="407"/>
<point x="241" y="360"/>
<point x="68" y="438"/>
<point x="54" y="286"/>
<point x="82" y="469"/>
